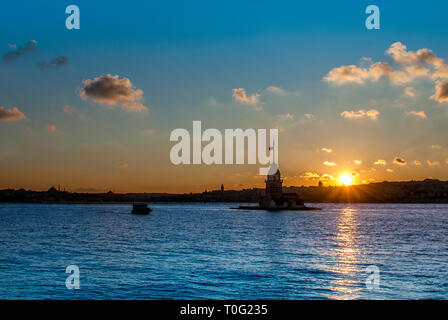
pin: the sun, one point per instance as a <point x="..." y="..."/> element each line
<point x="345" y="179"/>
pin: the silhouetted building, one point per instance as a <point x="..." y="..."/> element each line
<point x="275" y="199"/>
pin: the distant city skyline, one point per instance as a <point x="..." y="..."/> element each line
<point x="92" y="109"/>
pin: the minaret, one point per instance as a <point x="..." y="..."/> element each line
<point x="273" y="168"/>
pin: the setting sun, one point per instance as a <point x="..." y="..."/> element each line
<point x="345" y="179"/>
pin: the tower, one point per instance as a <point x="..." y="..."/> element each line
<point x="274" y="185"/>
<point x="222" y="188"/>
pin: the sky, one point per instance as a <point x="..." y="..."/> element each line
<point x="92" y="109"/>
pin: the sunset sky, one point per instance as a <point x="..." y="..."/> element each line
<point x="93" y="109"/>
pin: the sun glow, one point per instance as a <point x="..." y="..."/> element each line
<point x="345" y="179"/>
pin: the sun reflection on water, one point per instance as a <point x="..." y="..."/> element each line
<point x="346" y="267"/>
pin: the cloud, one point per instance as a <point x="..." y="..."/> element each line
<point x="347" y="74"/>
<point x="211" y="101"/>
<point x="400" y="161"/>
<point x="390" y="170"/>
<point x="286" y="116"/>
<point x="112" y="91"/>
<point x="410" y="92"/>
<point x="417" y="114"/>
<point x="357" y="162"/>
<point x="13" y="55"/>
<point x="276" y="90"/>
<point x="409" y="65"/>
<point x="433" y="163"/>
<point x="123" y="165"/>
<point x="329" y="163"/>
<point x="326" y="177"/>
<point x="55" y="63"/>
<point x="441" y="72"/>
<point x="441" y="92"/>
<point x="239" y="94"/>
<point x="69" y="109"/>
<point x="436" y="147"/>
<point x="51" y="128"/>
<point x="371" y="114"/>
<point x="327" y="150"/>
<point x="316" y="176"/>
<point x="310" y="176"/>
<point x="417" y="163"/>
<point x="380" y="162"/>
<point x="73" y="111"/>
<point x="376" y="71"/>
<point x="12" y="114"/>
<point x="309" y="116"/>
<point x="399" y="53"/>
<point x="149" y="131"/>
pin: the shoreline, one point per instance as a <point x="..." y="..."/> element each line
<point x="203" y="202"/>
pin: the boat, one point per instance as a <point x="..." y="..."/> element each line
<point x="140" y="208"/>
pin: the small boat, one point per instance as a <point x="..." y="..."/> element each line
<point x="140" y="208"/>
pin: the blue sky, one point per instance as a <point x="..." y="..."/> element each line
<point x="184" y="55"/>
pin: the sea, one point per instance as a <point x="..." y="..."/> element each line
<point x="211" y="251"/>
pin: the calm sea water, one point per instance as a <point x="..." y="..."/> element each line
<point x="207" y="251"/>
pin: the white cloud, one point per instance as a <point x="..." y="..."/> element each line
<point x="409" y="65"/>
<point x="399" y="53"/>
<point x="316" y="176"/>
<point x="380" y="162"/>
<point x="276" y="90"/>
<point x="240" y="95"/>
<point x="310" y="175"/>
<point x="410" y="92"/>
<point x="433" y="163"/>
<point x="371" y="114"/>
<point x="417" y="114"/>
<point x="347" y="74"/>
